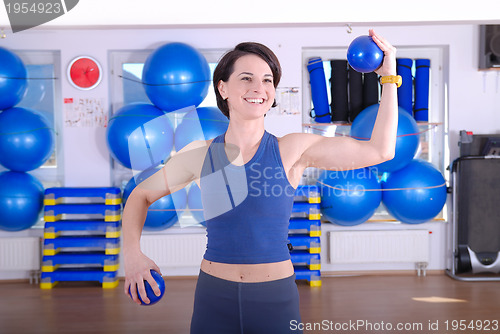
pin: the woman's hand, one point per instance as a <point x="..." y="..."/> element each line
<point x="388" y="66"/>
<point x="137" y="269"/>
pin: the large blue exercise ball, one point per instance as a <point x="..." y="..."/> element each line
<point x="416" y="193"/>
<point x="194" y="203"/>
<point x="175" y="76"/>
<point x="201" y="124"/>
<point x="407" y="141"/>
<point x="21" y="200"/>
<point x="349" y="197"/>
<point x="13" y="82"/>
<point x="163" y="213"/>
<point x="140" y="136"/>
<point x="26" y="139"/>
<point x="364" y="55"/>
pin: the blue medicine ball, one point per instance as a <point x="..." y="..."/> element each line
<point x="416" y="193"/>
<point x="201" y="124"/>
<point x="407" y="141"/>
<point x="26" y="139"/>
<point x="21" y="200"/>
<point x="13" y="82"/>
<point x="163" y="213"/>
<point x="349" y="197"/>
<point x="140" y="136"/>
<point x="175" y="76"/>
<point x="153" y="299"/>
<point x="364" y="55"/>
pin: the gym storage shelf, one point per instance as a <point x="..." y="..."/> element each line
<point x="81" y="236"/>
<point x="304" y="233"/>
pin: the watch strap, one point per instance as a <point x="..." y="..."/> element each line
<point x="397" y="79"/>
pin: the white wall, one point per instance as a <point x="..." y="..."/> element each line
<point x="474" y="98"/>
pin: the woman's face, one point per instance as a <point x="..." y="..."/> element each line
<point x="250" y="89"/>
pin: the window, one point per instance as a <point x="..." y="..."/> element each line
<point x="126" y="88"/>
<point x="433" y="134"/>
<point x="44" y="89"/>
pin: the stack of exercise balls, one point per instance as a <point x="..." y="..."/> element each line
<point x="26" y="143"/>
<point x="141" y="136"/>
<point x="412" y="190"/>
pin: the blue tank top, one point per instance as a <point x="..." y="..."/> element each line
<point x="247" y="208"/>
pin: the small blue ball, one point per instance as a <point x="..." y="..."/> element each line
<point x="364" y="55"/>
<point x="153" y="299"/>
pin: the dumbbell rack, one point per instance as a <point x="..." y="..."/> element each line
<point x="81" y="236"/>
<point x="304" y="234"/>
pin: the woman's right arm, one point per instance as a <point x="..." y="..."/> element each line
<point x="179" y="171"/>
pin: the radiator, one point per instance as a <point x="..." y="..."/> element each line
<point x="174" y="250"/>
<point x="379" y="246"/>
<point x="20" y="254"/>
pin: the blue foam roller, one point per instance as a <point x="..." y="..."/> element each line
<point x="405" y="91"/>
<point x="318" y="90"/>
<point x="421" y="109"/>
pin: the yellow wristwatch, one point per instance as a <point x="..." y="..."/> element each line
<point x="392" y="79"/>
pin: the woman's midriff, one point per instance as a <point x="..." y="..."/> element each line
<point x="251" y="273"/>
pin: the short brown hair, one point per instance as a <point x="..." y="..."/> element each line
<point x="225" y="68"/>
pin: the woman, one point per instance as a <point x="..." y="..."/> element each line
<point x="246" y="282"/>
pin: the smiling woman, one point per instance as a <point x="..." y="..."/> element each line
<point x="247" y="280"/>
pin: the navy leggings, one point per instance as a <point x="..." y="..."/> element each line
<point x="227" y="307"/>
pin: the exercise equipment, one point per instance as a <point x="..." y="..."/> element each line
<point x="350" y="197"/>
<point x="163" y="213"/>
<point x="364" y="55"/>
<point x="21" y="200"/>
<point x="338" y="91"/>
<point x="407" y="141"/>
<point x="405" y="91"/>
<point x="140" y="136"/>
<point x="13" y="81"/>
<point x="416" y="193"/>
<point x="200" y="124"/>
<point x="370" y="89"/>
<point x="475" y="229"/>
<point x="81" y="235"/>
<point x="421" y="107"/>
<point x="26" y="139"/>
<point x="355" y="93"/>
<point x="175" y="76"/>
<point x="319" y="93"/>
<point x="153" y="299"/>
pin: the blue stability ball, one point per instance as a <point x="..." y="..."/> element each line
<point x="418" y="192"/>
<point x="153" y="299"/>
<point x="140" y="136"/>
<point x="163" y="213"/>
<point x="195" y="205"/>
<point x="13" y="82"/>
<point x="349" y="197"/>
<point x="175" y="76"/>
<point x="21" y="200"/>
<point x="407" y="140"/>
<point x="201" y="124"/>
<point x="364" y="55"/>
<point x="26" y="139"/>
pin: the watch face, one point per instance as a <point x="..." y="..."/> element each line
<point x="84" y="73"/>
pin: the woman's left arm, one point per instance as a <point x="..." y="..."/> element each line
<point x="340" y="153"/>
